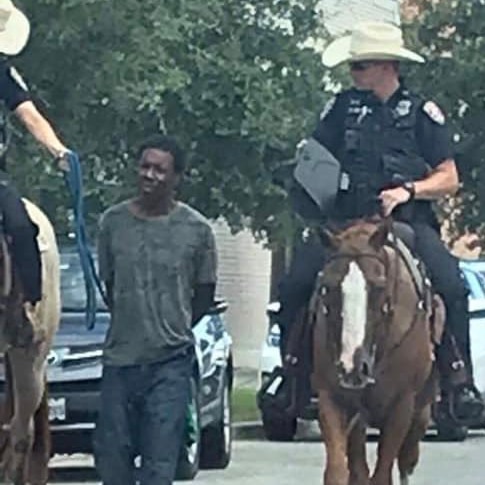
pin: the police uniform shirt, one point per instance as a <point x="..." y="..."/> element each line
<point x="431" y="129"/>
<point x="13" y="90"/>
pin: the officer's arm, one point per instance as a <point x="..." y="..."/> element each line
<point x="435" y="143"/>
<point x="39" y="127"/>
<point x="329" y="129"/>
<point x="442" y="181"/>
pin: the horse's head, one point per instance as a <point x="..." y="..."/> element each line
<point x="352" y="299"/>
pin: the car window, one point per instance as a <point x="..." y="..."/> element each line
<point x="73" y="290"/>
<point x="481" y="279"/>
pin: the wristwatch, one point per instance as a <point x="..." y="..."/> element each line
<point x="410" y="187"/>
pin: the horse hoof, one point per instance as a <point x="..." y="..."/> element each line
<point x="405" y="480"/>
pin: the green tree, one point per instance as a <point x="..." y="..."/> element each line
<point x="451" y="34"/>
<point x="231" y="79"/>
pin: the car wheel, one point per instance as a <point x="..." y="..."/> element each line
<point x="278" y="427"/>
<point x="216" y="445"/>
<point x="188" y="462"/>
<point x="451" y="432"/>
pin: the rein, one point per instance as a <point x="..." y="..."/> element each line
<point x="74" y="181"/>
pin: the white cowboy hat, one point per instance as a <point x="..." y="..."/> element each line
<point x="369" y="41"/>
<point x="14" y="29"/>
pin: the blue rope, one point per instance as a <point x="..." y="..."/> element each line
<point x="74" y="181"/>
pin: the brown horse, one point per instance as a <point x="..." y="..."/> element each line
<point x="373" y="355"/>
<point x="25" y="437"/>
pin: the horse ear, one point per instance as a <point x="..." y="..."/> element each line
<point x="379" y="237"/>
<point x="328" y="238"/>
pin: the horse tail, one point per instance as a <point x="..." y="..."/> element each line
<point x="42" y="435"/>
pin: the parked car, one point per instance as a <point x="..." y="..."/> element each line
<point x="74" y="373"/>
<point x="474" y="275"/>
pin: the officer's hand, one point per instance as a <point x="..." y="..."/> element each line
<point x="391" y="198"/>
<point x="62" y="160"/>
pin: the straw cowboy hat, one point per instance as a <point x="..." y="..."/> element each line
<point x="14" y="29"/>
<point x="369" y="41"/>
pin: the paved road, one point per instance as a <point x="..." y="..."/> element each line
<point x="263" y="463"/>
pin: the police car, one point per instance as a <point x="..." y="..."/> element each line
<point x="74" y="375"/>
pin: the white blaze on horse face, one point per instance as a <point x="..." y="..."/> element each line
<point x="354" y="314"/>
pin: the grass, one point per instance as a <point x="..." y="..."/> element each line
<point x="244" y="407"/>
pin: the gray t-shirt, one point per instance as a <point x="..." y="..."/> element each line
<point x="154" y="265"/>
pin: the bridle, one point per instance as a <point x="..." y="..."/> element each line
<point x="391" y="291"/>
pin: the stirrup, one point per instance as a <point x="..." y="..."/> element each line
<point x="450" y="412"/>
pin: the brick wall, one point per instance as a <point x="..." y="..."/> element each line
<point x="340" y="15"/>
<point x="244" y="281"/>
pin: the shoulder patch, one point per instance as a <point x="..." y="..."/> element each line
<point x="434" y="112"/>
<point x="328" y="107"/>
<point x="14" y="74"/>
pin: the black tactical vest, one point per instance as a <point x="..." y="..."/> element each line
<point x="380" y="148"/>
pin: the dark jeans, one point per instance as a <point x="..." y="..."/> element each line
<point x="23" y="233"/>
<point x="297" y="286"/>
<point x="143" y="410"/>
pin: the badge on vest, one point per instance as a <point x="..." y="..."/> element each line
<point x="403" y="108"/>
<point x="434" y="112"/>
<point x="14" y="74"/>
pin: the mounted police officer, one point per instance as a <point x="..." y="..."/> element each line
<point x="14" y="34"/>
<point x="394" y="149"/>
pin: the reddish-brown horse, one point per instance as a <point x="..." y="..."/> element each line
<point x="373" y="356"/>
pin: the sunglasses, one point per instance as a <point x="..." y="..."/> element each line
<point x="361" y="65"/>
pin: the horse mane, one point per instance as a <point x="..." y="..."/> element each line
<point x="352" y="234"/>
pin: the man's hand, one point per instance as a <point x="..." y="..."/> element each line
<point x="62" y="161"/>
<point x="391" y="198"/>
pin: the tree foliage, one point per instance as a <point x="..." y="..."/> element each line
<point x="451" y="34"/>
<point x="230" y="79"/>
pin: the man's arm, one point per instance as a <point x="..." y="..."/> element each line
<point x="442" y="181"/>
<point x="15" y="93"/>
<point x="202" y="300"/>
<point x="435" y="144"/>
<point x="205" y="276"/>
<point x="39" y="127"/>
<point x="330" y="127"/>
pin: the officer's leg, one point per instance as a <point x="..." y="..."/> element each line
<point x="23" y="233"/>
<point x="297" y="285"/>
<point x="447" y="281"/>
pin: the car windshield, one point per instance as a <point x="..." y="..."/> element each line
<point x="73" y="291"/>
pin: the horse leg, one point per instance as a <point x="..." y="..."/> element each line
<point x="27" y="374"/>
<point x="409" y="452"/>
<point x="392" y="435"/>
<point x="356" y="449"/>
<point x="41" y="448"/>
<point x="7" y="413"/>
<point x="334" y="433"/>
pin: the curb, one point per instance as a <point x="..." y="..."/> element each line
<point x="248" y="430"/>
